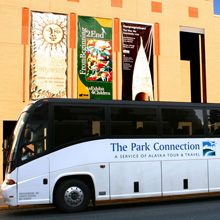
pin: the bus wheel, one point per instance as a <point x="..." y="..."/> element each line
<point x="72" y="196"/>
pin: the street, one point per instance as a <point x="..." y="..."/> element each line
<point x="193" y="209"/>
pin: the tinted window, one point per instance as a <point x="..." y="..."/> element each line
<point x="182" y="122"/>
<point x="133" y="121"/>
<point x="35" y="133"/>
<point x="213" y="122"/>
<point x="73" y="123"/>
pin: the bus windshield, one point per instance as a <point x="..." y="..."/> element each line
<point x="14" y="139"/>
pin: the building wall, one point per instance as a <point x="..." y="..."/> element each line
<point x="173" y="73"/>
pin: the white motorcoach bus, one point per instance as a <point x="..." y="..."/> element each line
<point x="69" y="152"/>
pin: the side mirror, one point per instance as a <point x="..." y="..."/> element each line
<point x="28" y="134"/>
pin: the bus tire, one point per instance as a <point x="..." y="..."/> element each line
<point x="72" y="196"/>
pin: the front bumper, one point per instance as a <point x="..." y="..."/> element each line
<point x="9" y="193"/>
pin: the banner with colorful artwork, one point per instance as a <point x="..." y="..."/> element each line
<point x="94" y="58"/>
<point x="48" y="55"/>
<point x="137" y="61"/>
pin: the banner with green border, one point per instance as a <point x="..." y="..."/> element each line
<point x="94" y="58"/>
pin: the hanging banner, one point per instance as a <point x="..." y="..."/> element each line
<point x="94" y="58"/>
<point x="48" y="55"/>
<point x="137" y="61"/>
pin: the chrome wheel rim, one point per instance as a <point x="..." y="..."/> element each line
<point x="73" y="196"/>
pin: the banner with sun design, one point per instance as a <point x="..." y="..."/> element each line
<point x="94" y="58"/>
<point x="48" y="55"/>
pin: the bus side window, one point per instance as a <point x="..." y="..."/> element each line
<point x="133" y="121"/>
<point x="182" y="121"/>
<point x="213" y="122"/>
<point x="74" y="123"/>
<point x="35" y="134"/>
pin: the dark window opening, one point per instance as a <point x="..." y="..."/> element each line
<point x="190" y="50"/>
<point x="8" y="127"/>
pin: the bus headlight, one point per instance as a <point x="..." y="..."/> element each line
<point x="10" y="182"/>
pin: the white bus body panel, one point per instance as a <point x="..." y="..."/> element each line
<point x="194" y="172"/>
<point x="123" y="177"/>
<point x="158" y="171"/>
<point x="31" y="186"/>
<point x="98" y="172"/>
<point x="158" y="166"/>
<point x="83" y="159"/>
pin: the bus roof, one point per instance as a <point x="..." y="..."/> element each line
<point x="124" y="102"/>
